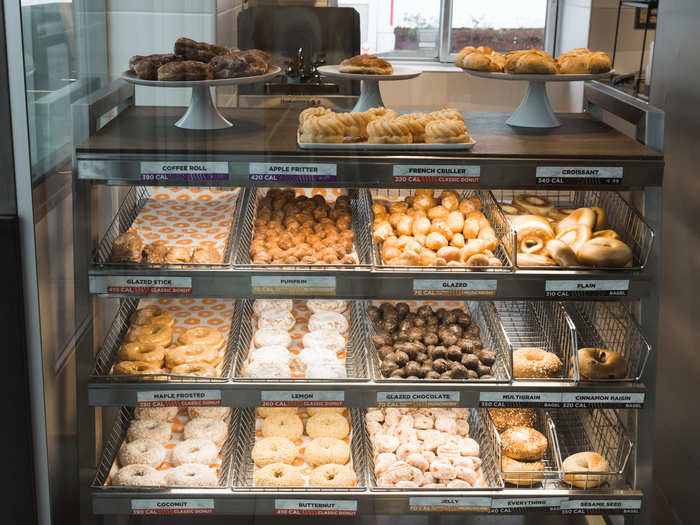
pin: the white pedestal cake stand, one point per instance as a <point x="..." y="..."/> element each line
<point x="370" y="96"/>
<point x="535" y="111"/>
<point x="202" y="112"/>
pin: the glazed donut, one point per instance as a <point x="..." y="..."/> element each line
<point x="130" y="368"/>
<point x="611" y="234"/>
<point x="149" y="428"/>
<point x="562" y="254"/>
<point x="142" y="452"/>
<point x="327" y="424"/>
<point x="332" y="475"/>
<point x="271" y="337"/>
<point x="604" y="252"/>
<point x="601" y="363"/>
<point x="578" y="466"/>
<point x="326" y="339"/>
<point x="601" y="219"/>
<point x="312" y="411"/>
<point x="209" y="428"/>
<point x="146" y="352"/>
<point x="213" y="412"/>
<point x="138" y="476"/>
<point x="504" y="418"/>
<point x="278" y="475"/>
<point x="194" y="369"/>
<point x="579" y="216"/>
<point x="533" y="204"/>
<point x="272" y="411"/>
<point x="521" y="472"/>
<point x="523" y="443"/>
<point x="160" y="413"/>
<point x="202" y="335"/>
<point x="181" y="355"/>
<point x="325" y="450"/>
<point x="535" y="363"/>
<point x="273" y="450"/>
<point x="531" y="259"/>
<point x="327" y="305"/>
<point x="192" y="475"/>
<point x="328" y="321"/>
<point x="272" y="304"/>
<point x="575" y="236"/>
<point x="283" y="425"/>
<point x="156" y="334"/>
<point x="278" y="319"/>
<point x="200" y="451"/>
<point x="152" y="315"/>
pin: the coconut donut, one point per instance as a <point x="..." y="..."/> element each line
<point x="504" y="418"/>
<point x="264" y="368"/>
<point x="277" y="319"/>
<point x="533" y="204"/>
<point x="152" y="315"/>
<point x="277" y="475"/>
<point x="192" y="475"/>
<point x="156" y="334"/>
<point x="264" y="412"/>
<point x="202" y="335"/>
<point x="211" y="412"/>
<point x="159" y="431"/>
<point x="184" y="354"/>
<point x="328" y="321"/>
<point x="578" y="466"/>
<point x="142" y="452"/>
<point x="521" y="472"/>
<point x="274" y="450"/>
<point x="261" y="305"/>
<point x="283" y="425"/>
<point x="535" y="363"/>
<point x="327" y="305"/>
<point x="272" y="353"/>
<point x="271" y="337"/>
<point x="137" y="476"/>
<point x="324" y="339"/>
<point x="327" y="425"/>
<point x="325" y="450"/>
<point x="200" y="451"/>
<point x="523" y="443"/>
<point x="210" y="428"/>
<point x="604" y="252"/>
<point x="332" y="475"/>
<point x="146" y="352"/>
<point x="159" y="413"/>
<point x="194" y="369"/>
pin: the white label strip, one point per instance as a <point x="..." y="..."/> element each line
<point x="329" y="398"/>
<point x="165" y="398"/>
<point x="183" y="171"/>
<point x="578" y="175"/>
<point x="307" y="507"/>
<point x="506" y="505"/>
<point x="408" y="174"/>
<point x="458" y="287"/>
<point x="498" y="399"/>
<point x="292" y="285"/>
<point x="561" y="288"/>
<point x="275" y="172"/>
<point x="611" y="400"/>
<point x="449" y="504"/>
<point x="597" y="506"/>
<point x="149" y="285"/>
<point x="450" y="398"/>
<point x="172" y="506"/>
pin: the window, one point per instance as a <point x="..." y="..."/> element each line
<point x="437" y="29"/>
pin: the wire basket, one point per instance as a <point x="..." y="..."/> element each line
<point x="532" y="478"/>
<point x="117" y="436"/>
<point x="622" y="217"/>
<point x="129" y="209"/>
<point x="355" y="362"/>
<point x="361" y="242"/>
<point x="539" y="324"/>
<point x="106" y="355"/>
<point x="483" y="314"/>
<point x="593" y="430"/>
<point x="610" y="325"/>
<point x="491" y="210"/>
<point x="244" y="465"/>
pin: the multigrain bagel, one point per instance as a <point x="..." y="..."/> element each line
<point x="504" y="418"/>
<point x="535" y="363"/>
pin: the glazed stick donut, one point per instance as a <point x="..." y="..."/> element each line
<point x="604" y="252"/>
<point x="578" y="467"/>
<point x="575" y="236"/>
<point x="580" y="216"/>
<point x="562" y="253"/>
<point x="533" y="204"/>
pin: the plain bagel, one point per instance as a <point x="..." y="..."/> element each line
<point x="578" y="467"/>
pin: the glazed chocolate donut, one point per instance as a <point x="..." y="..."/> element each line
<point x="601" y="363"/>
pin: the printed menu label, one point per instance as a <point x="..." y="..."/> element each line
<point x="174" y="398"/>
<point x="149" y="285"/>
<point x="602" y="400"/>
<point x="601" y="506"/>
<point x="308" y="507"/>
<point x="588" y="288"/>
<point x="286" y="285"/>
<point x="454" y="287"/>
<point x="584" y="175"/>
<point x="519" y="399"/>
<point x="172" y="506"/>
<point x="294" y="398"/>
<point x="185" y="171"/>
<point x="433" y="399"/>
<point x="408" y="174"/>
<point x="449" y="504"/>
<point x="285" y="172"/>
<point x="515" y="505"/>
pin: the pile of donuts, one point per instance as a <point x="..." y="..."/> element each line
<point x="296" y="229"/>
<point x="429" y="344"/>
<point x="130" y="247"/>
<point x="148" y="347"/>
<point x="522" y="446"/>
<point x="275" y="342"/>
<point x="424" y="447"/>
<point x="173" y="447"/>
<point x="551" y="236"/>
<point x="289" y="452"/>
<point x="429" y="230"/>
<point x="382" y="126"/>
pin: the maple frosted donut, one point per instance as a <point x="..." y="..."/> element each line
<point x="535" y="363"/>
<point x="327" y="305"/>
<point x="157" y="334"/>
<point x="265" y="368"/>
<point x="158" y="413"/>
<point x="325" y="339"/>
<point x="271" y="337"/>
<point x="278" y="475"/>
<point x="277" y="319"/>
<point x="202" y="335"/>
<point x="283" y="425"/>
<point x="209" y="428"/>
<point x="577" y="469"/>
<point x="332" y="475"/>
<point x="137" y="476"/>
<point x="142" y="452"/>
<point x="136" y="368"/>
<point x="184" y="354"/>
<point x="159" y="431"/>
<point x="192" y="475"/>
<point x="194" y="369"/>
<point x="328" y="321"/>
<point x="274" y="450"/>
<point x="271" y="411"/>
<point x="200" y="451"/>
<point x="146" y="352"/>
<point x="152" y="315"/>
<point x="272" y="304"/>
<point x="312" y="411"/>
<point x="327" y="425"/>
<point x="523" y="443"/>
<point x="213" y="412"/>
<point x="272" y="353"/>
<point x="325" y="450"/>
<point x="513" y="471"/>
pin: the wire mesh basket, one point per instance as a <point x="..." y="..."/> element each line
<point x="355" y="361"/>
<point x="621" y="217"/>
<point x="610" y="325"/>
<point x="483" y="314"/>
<point x="532" y="478"/>
<point x="245" y="467"/>
<point x="592" y="430"/>
<point x="491" y="210"/>
<point x="539" y="324"/>
<point x="361" y="241"/>
<point x="105" y="358"/>
<point x="129" y="209"/>
<point x="117" y="437"/>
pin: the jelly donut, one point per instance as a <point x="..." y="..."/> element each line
<point x="152" y="315"/>
<point x="504" y="418"/>
<point x="157" y="334"/>
<point x="601" y="363"/>
<point x="210" y="428"/>
<point x="328" y="321"/>
<point x="159" y="431"/>
<point x="274" y="450"/>
<point x="212" y="412"/>
<point x="159" y="413"/>
<point x="402" y="471"/>
<point x="327" y="425"/>
<point x="146" y="352"/>
<point x="535" y="363"/>
<point x="385" y="442"/>
<point x="332" y="475"/>
<point x="523" y="443"/>
<point x="202" y="335"/>
<point x="142" y="452"/>
<point x="468" y="447"/>
<point x="272" y="304"/>
<point x="283" y="425"/>
<point x="604" y="252"/>
<point x="137" y="476"/>
<point x="521" y="472"/>
<point x="326" y="339"/>
<point x="578" y="467"/>
<point x="194" y="369"/>
<point x="443" y="469"/>
<point x="192" y="475"/>
<point x="277" y="319"/>
<point x="181" y="355"/>
<point x="327" y="305"/>
<point x="200" y="451"/>
<point x="271" y="337"/>
<point x="325" y="450"/>
<point x="277" y="475"/>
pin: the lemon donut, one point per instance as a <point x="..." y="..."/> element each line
<point x="202" y="335"/>
<point x="200" y="451"/>
<point x="523" y="443"/>
<point x="159" y="431"/>
<point x="194" y="369"/>
<point x="146" y="352"/>
<point x="137" y="476"/>
<point x="192" y="475"/>
<point x="327" y="425"/>
<point x="159" y="413"/>
<point x="535" y="363"/>
<point x="143" y="451"/>
<point x="332" y="475"/>
<point x="578" y="466"/>
<point x="278" y="475"/>
<point x="152" y="315"/>
<point x="283" y="425"/>
<point x="130" y="368"/>
<point x="274" y="450"/>
<point x="181" y="355"/>
<point x="325" y="450"/>
<point x="312" y="411"/>
<point x="212" y="429"/>
<point x="156" y="334"/>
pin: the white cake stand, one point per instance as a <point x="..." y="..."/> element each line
<point x="202" y="113"/>
<point x="370" y="97"/>
<point x="535" y="111"/>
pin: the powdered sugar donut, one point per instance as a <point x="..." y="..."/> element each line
<point x="406" y="449"/>
<point x="149" y="428"/>
<point x="215" y="412"/>
<point x="271" y="337"/>
<point x="265" y="368"/>
<point x="200" y="451"/>
<point x="142" y="452"/>
<point x="272" y="304"/>
<point x="277" y="319"/>
<point x="328" y="321"/>
<point x="325" y="339"/>
<point x="311" y="355"/>
<point x="442" y="469"/>
<point x="327" y="305"/>
<point x="374" y="415"/>
<point x="272" y="353"/>
<point x="446" y="424"/>
<point x="334" y="369"/>
<point x="373" y="427"/>
<point x="159" y="413"/>
<point x="138" y="476"/>
<point x="468" y="447"/>
<point x="192" y="475"/>
<point x="467" y="474"/>
<point x="422" y="422"/>
<point x="206" y="428"/>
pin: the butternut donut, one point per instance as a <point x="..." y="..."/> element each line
<point x="604" y="252"/>
<point x="579" y="216"/>
<point x="146" y="352"/>
<point x="156" y="334"/>
<point x="185" y="354"/>
<point x="332" y="475"/>
<point x="152" y="315"/>
<point x="523" y="443"/>
<point x="202" y="335"/>
<point x="533" y="204"/>
<point x="327" y="425"/>
<point x="273" y="450"/>
<point x="521" y="472"/>
<point x="283" y="425"/>
<point x="504" y="418"/>
<point x="575" y="236"/>
<point x="562" y="253"/>
<point x="579" y="466"/>
<point x="278" y="475"/>
<point x="601" y="363"/>
<point x="535" y="363"/>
